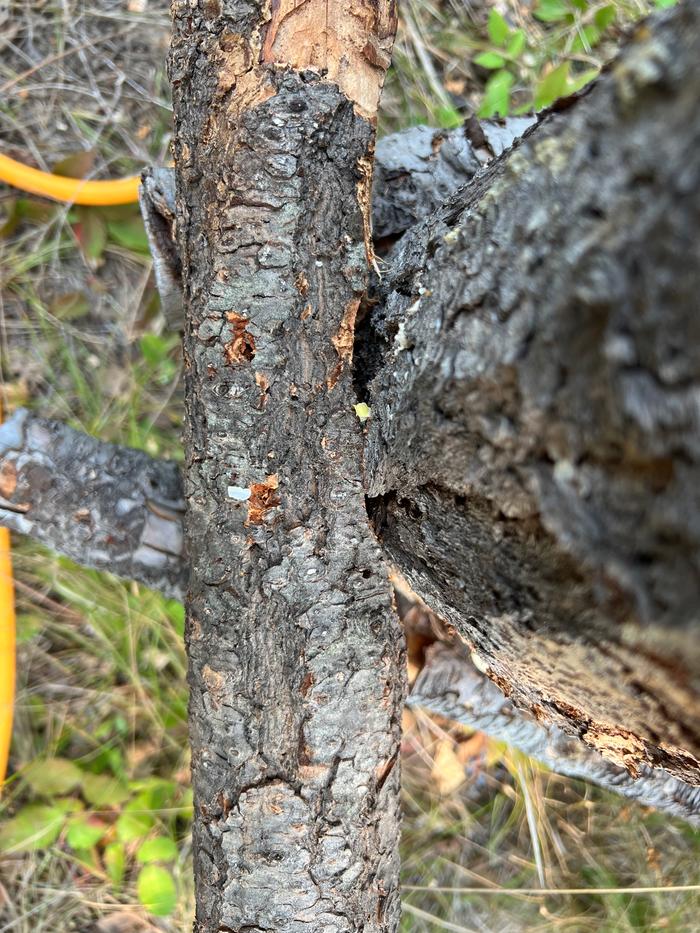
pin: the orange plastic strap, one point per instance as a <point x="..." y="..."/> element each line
<point x="72" y="190"/>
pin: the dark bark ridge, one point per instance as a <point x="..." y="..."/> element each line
<point x="295" y="651"/>
<point x="533" y="458"/>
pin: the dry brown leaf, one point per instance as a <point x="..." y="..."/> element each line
<point x="447" y="770"/>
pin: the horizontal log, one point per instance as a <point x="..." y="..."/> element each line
<point x="533" y="455"/>
<point x="107" y="536"/>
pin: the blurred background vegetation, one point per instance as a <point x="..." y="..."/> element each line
<point x="95" y="818"/>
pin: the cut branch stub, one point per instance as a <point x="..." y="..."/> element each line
<point x="296" y="669"/>
<point x="104" y="506"/>
<point x="112" y="537"/>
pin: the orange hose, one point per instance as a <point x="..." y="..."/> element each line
<point x="7" y="649"/>
<point x="73" y="190"/>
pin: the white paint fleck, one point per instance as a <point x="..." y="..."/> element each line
<point x="564" y="471"/>
<point x="238" y="493"/>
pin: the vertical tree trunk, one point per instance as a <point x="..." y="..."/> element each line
<point x="295" y="651"/>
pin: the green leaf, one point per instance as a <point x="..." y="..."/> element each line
<point x="28" y="626"/>
<point x="158" y="849"/>
<point x="131" y="826"/>
<point x="103" y="790"/>
<point x="11" y="219"/>
<point x="582" y="79"/>
<point x="84" y="834"/>
<point x="553" y="86"/>
<point x="130" y="234"/>
<point x="489" y="60"/>
<point x="91" y="233"/>
<point x="51" y="777"/>
<point x="154" y="348"/>
<point x="497" y="94"/>
<point x="156" y="890"/>
<point x="154" y="794"/>
<point x="552" y="11"/>
<point x="187" y="800"/>
<point x="498" y="28"/>
<point x="604" y="17"/>
<point x="586" y="38"/>
<point x="69" y="804"/>
<point x="115" y="862"/>
<point x="34" y="827"/>
<point x="156" y="352"/>
<point x="664" y="4"/>
<point x="516" y="46"/>
<point x="449" y="118"/>
<point x="176" y="614"/>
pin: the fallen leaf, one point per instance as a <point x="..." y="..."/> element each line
<point x="447" y="770"/>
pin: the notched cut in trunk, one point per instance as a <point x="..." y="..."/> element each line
<point x="448" y="685"/>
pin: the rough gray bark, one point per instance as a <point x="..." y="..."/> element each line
<point x="104" y="506"/>
<point x="533" y="455"/>
<point x="416" y="169"/>
<point x="296" y="672"/>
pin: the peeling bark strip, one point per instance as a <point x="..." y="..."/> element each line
<point x="533" y="452"/>
<point x="296" y="661"/>
<point x="109" y="507"/>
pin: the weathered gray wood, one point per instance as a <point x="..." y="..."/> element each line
<point x="414" y="171"/>
<point x="296" y="662"/>
<point x="533" y="455"/>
